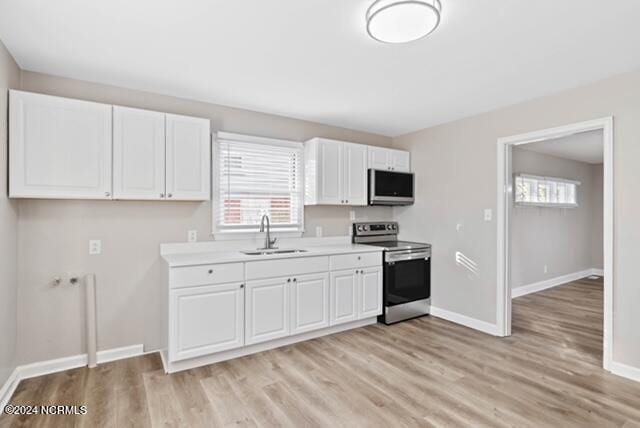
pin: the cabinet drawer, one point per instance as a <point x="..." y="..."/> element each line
<point x="282" y="267"/>
<point x="206" y="274"/>
<point x="348" y="261"/>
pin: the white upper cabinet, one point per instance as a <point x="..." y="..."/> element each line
<point x="59" y="147"/>
<point x="389" y="159"/>
<point x="62" y="148"/>
<point x="335" y="173"/>
<point x="354" y="173"/>
<point x="138" y="154"/>
<point x="188" y="158"/>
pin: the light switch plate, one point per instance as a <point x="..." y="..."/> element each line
<point x="488" y="214"/>
<point x="319" y="231"/>
<point x="95" y="247"/>
<point x="192" y="235"/>
<point x="352" y="215"/>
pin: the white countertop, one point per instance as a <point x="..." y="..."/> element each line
<point x="230" y="256"/>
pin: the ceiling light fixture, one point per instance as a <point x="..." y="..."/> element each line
<point x="402" y="21"/>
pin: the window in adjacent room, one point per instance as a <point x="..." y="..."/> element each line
<point x="533" y="190"/>
<point x="254" y="176"/>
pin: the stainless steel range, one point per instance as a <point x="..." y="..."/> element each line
<point x="407" y="271"/>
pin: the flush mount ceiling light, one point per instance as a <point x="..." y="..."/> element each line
<point x="402" y="21"/>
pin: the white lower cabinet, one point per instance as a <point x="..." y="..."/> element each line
<point x="267" y="310"/>
<point x="212" y="309"/>
<point x="370" y="292"/>
<point x="355" y="294"/>
<point x="205" y="320"/>
<point x="344" y="296"/>
<point x="309" y="302"/>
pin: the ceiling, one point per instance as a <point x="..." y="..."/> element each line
<point x="312" y="59"/>
<point x="583" y="147"/>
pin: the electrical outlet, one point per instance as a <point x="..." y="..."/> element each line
<point x="192" y="235"/>
<point x="319" y="231"/>
<point x="352" y="215"/>
<point x="546" y="269"/>
<point x="95" y="247"/>
<point x="488" y="215"/>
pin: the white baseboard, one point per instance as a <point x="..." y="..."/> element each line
<point x="41" y="368"/>
<point x="9" y="387"/>
<point x="466" y="321"/>
<point x="175" y="366"/>
<point x="626" y="371"/>
<point x="553" y="282"/>
<point x="115" y="354"/>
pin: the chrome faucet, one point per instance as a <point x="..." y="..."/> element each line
<point x="268" y="242"/>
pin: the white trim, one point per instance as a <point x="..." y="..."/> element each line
<point x="505" y="190"/>
<point x="596" y="271"/>
<point x="172" y="367"/>
<point x="550" y="283"/>
<point x="466" y="321"/>
<point x="9" y="387"/>
<point x="626" y="371"/>
<point x="115" y="354"/>
<point x="231" y="136"/>
<point x="41" y="368"/>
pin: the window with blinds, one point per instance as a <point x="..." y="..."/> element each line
<point x="545" y="191"/>
<point x="257" y="176"/>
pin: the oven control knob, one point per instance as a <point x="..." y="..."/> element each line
<point x="389" y="227"/>
<point x="395" y="226"/>
<point x="359" y="228"/>
<point x="365" y="227"/>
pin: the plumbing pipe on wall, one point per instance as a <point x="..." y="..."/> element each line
<point x="90" y="285"/>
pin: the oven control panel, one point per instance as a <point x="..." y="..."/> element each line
<point x="375" y="229"/>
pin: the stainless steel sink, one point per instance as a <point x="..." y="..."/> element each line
<point x="268" y="252"/>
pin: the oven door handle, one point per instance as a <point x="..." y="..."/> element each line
<point x="406" y="256"/>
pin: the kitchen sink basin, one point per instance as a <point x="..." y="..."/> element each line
<point x="268" y="252"/>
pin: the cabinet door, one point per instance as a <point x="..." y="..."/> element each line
<point x="267" y="310"/>
<point x="379" y="158"/>
<point x="138" y="154"/>
<point x="400" y="161"/>
<point x="370" y="293"/>
<point x="354" y="181"/>
<point x="204" y="320"/>
<point x="59" y="147"/>
<point x="330" y="172"/>
<point x="343" y="293"/>
<point x="309" y="302"/>
<point x="188" y="158"/>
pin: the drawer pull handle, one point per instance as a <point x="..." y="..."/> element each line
<point x="295" y="279"/>
<point x="359" y="258"/>
<point x="241" y="285"/>
<point x="288" y="279"/>
<point x="210" y="271"/>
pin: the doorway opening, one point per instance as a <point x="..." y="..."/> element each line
<point x="555" y="195"/>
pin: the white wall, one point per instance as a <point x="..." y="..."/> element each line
<point x="597" y="218"/>
<point x="563" y="239"/>
<point x="9" y="78"/>
<point x="456" y="179"/>
<point x="54" y="234"/>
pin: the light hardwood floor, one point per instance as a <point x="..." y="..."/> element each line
<point x="425" y="372"/>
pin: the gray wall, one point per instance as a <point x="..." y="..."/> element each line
<point x="456" y="179"/>
<point x="564" y="239"/>
<point x="9" y="75"/>
<point x="597" y="217"/>
<point x="54" y="234"/>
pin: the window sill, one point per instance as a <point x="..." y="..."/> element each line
<point x="231" y="235"/>
<point x="543" y="205"/>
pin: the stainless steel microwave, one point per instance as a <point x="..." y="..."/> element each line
<point x="390" y="187"/>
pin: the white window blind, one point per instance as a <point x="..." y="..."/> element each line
<point x="257" y="176"/>
<point x="545" y="191"/>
